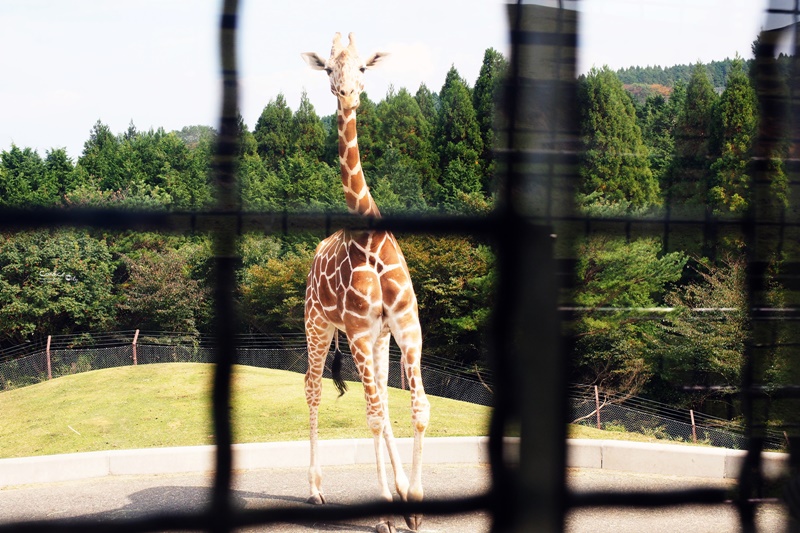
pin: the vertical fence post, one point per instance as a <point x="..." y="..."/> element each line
<point x="135" y="338"/>
<point x="694" y="428"/>
<point x="597" y="405"/>
<point x="49" y="363"/>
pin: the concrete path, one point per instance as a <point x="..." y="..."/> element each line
<point x="114" y="498"/>
<point x="110" y="486"/>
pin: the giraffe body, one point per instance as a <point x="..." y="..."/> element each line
<point x="359" y="284"/>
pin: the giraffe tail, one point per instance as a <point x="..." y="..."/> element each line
<point x="336" y="371"/>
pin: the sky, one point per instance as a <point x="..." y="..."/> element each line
<point x="65" y="64"/>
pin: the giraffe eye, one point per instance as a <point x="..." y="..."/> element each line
<point x="329" y="70"/>
<point x="363" y="69"/>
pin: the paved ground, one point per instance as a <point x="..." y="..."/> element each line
<point x="115" y="498"/>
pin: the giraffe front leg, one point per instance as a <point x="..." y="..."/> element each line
<point x="318" y="343"/>
<point x="376" y="419"/>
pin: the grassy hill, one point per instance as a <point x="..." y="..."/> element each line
<point x="168" y="405"/>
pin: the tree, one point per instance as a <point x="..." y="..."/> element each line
<point x="405" y="148"/>
<point x="273" y="132"/>
<point x="54" y="282"/>
<point x="459" y="141"/>
<point x="706" y="348"/>
<point x="273" y="291"/>
<point x="100" y="158"/>
<point x="59" y="173"/>
<point x="308" y="135"/>
<point x="368" y="129"/>
<point x="692" y="137"/>
<point x="453" y="279"/>
<point x="485" y="99"/>
<point x="428" y="103"/>
<point x="615" y="168"/>
<point x="160" y="292"/>
<point x="615" y="279"/>
<point x="21" y="173"/>
<point x="735" y="128"/>
<point x="307" y="184"/>
<point x="397" y="183"/>
<point x="658" y="118"/>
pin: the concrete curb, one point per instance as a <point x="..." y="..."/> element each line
<point x="666" y="459"/>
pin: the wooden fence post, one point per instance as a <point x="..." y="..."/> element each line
<point x="597" y="405"/>
<point x="694" y="428"/>
<point x="135" y="338"/>
<point x="49" y="363"/>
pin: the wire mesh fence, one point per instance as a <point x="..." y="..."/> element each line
<point x="76" y="354"/>
<point x="613" y="412"/>
<point x="595" y="408"/>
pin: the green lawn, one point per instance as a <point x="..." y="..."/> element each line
<point x="168" y="405"/>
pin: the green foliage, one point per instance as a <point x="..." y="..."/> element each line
<point x="615" y="164"/>
<point x="735" y="128"/>
<point x="160" y="292"/>
<point x="459" y="142"/>
<point x="398" y="183"/>
<point x="146" y="170"/>
<point x="453" y="278"/>
<point x="671" y="76"/>
<point x="26" y="180"/>
<point x="273" y="291"/>
<point x="53" y="282"/>
<point x="690" y="171"/>
<point x="273" y="132"/>
<point x="615" y="279"/>
<point x="706" y="347"/>
<point x="307" y="184"/>
<point x="307" y="134"/>
<point x="405" y="145"/>
<point x="485" y="100"/>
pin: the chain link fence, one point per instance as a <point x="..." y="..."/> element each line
<point x="75" y="354"/>
<point x="68" y="355"/>
<point x="613" y="412"/>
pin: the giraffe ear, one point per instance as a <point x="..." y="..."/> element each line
<point x="313" y="60"/>
<point x="375" y="58"/>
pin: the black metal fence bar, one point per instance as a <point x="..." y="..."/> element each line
<point x="540" y="158"/>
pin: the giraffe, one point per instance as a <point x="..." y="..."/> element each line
<point x="359" y="284"/>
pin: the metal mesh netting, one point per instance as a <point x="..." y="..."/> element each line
<point x="33" y="368"/>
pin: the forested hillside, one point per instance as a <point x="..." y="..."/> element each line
<point x="688" y="147"/>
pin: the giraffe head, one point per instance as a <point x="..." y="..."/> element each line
<point x="345" y="70"/>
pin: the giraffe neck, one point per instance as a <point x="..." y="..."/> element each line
<point x="356" y="192"/>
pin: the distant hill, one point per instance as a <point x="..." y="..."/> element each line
<point x="669" y="76"/>
<point x="644" y="82"/>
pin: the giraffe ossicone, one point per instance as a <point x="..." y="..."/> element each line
<point x="359" y="283"/>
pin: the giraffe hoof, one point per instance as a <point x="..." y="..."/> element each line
<point x="316" y="499"/>
<point x="414" y="522"/>
<point x="386" y="527"/>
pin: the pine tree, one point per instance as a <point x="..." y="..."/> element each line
<point x="485" y="99"/>
<point x="691" y="161"/>
<point x="428" y="103"/>
<point x="308" y="135"/>
<point x="273" y="132"/>
<point x="406" y="137"/>
<point x="459" y="142"/>
<point x="615" y="170"/>
<point x="734" y="134"/>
